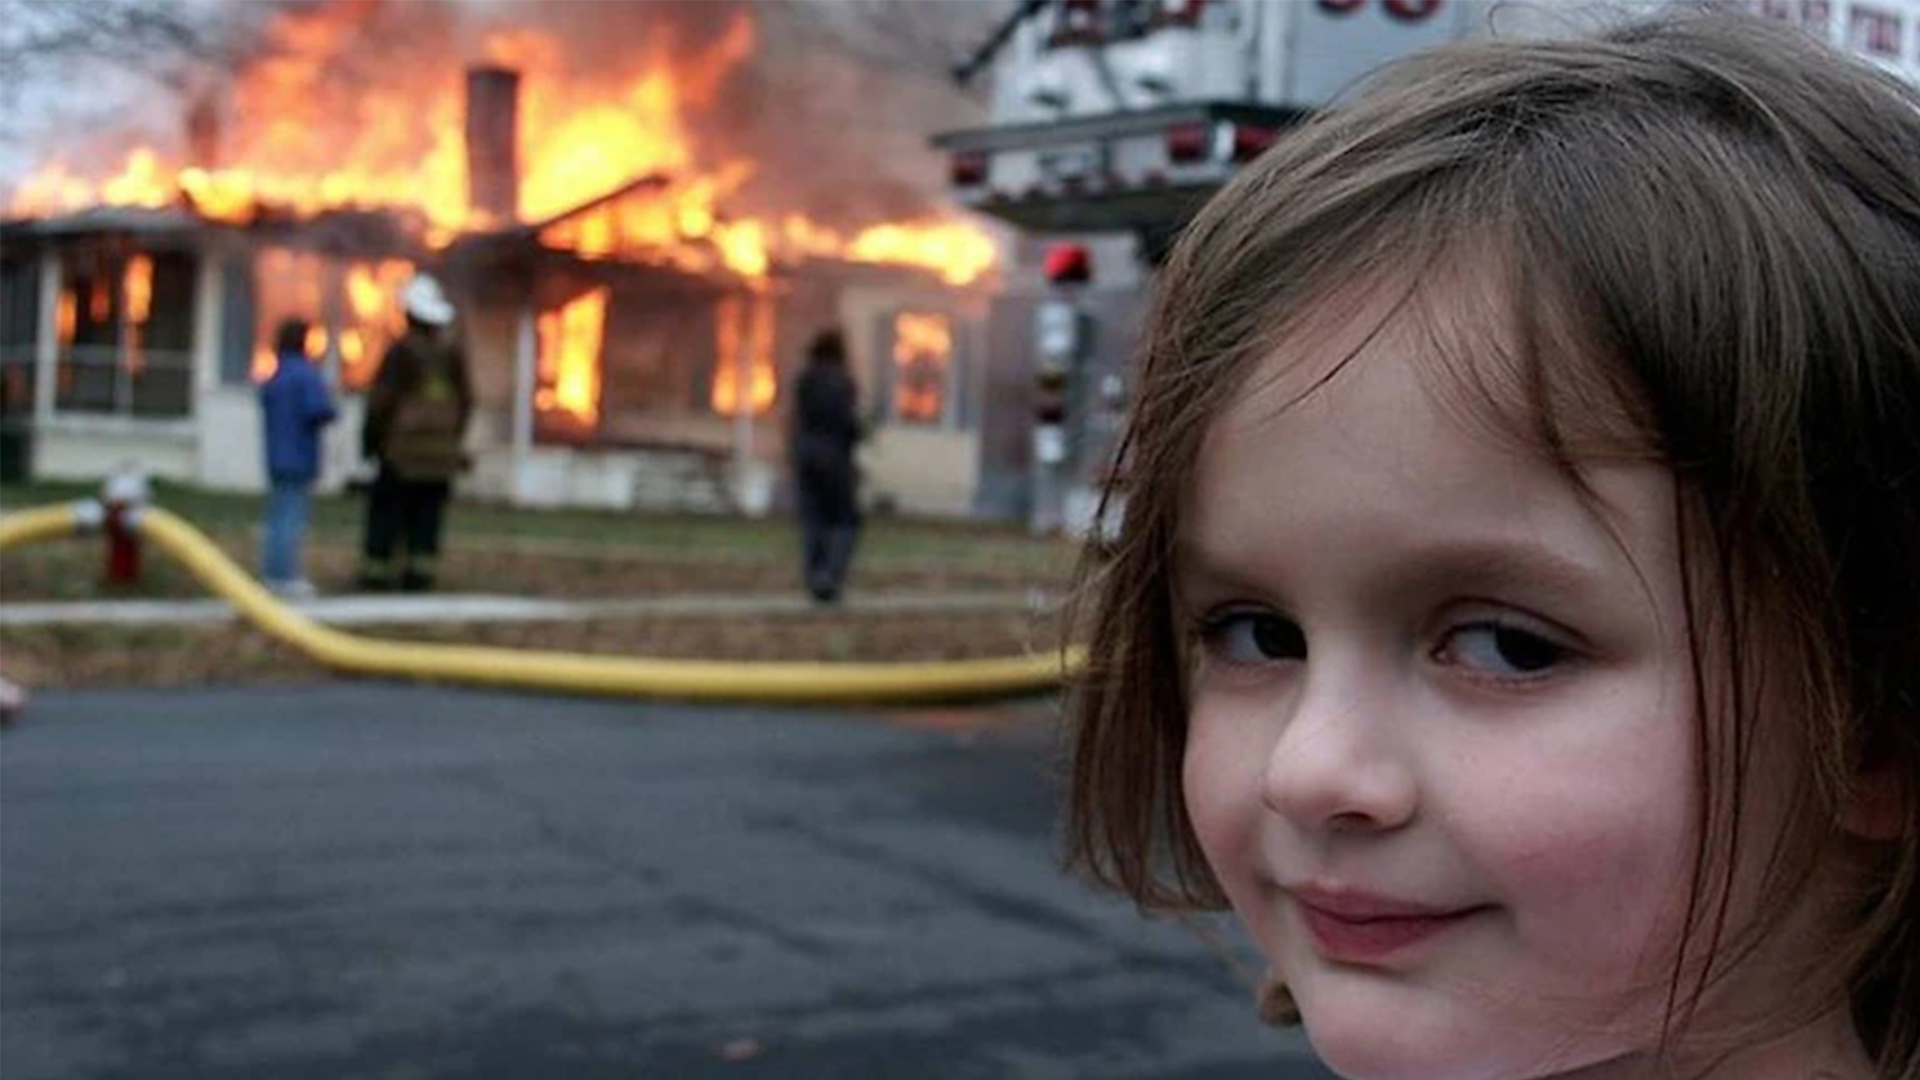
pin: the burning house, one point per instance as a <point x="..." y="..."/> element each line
<point x="632" y="294"/>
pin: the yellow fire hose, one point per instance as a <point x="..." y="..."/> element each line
<point x="696" y="680"/>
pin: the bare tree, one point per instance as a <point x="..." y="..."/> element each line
<point x="52" y="50"/>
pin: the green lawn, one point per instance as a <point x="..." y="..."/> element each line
<point x="542" y="553"/>
<point x="337" y="519"/>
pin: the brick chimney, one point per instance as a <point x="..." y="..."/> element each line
<point x="493" y="130"/>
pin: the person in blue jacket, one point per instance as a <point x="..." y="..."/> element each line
<point x="295" y="407"/>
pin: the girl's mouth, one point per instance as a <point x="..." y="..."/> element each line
<point x="1356" y="928"/>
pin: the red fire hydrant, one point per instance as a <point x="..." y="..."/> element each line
<point x="123" y="495"/>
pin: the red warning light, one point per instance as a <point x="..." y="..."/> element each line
<point x="1069" y="264"/>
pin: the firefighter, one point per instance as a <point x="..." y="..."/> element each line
<point x="417" y="412"/>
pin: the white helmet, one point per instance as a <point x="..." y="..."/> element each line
<point x="427" y="301"/>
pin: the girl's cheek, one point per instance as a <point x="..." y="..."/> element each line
<point x="1209" y="803"/>
<point x="1592" y="862"/>
<point x="1221" y="784"/>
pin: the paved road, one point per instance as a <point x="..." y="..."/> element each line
<point x="370" y="880"/>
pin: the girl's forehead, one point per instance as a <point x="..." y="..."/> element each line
<point x="1347" y="459"/>
<point x="1489" y="346"/>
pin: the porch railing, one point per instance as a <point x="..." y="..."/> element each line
<point x="104" y="380"/>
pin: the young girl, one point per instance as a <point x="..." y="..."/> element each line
<point x="1516" y="620"/>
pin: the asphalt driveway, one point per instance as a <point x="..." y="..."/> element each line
<point x="375" y="880"/>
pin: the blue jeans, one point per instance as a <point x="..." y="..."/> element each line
<point x="288" y="505"/>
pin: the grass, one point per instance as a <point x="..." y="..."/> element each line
<point x="337" y="518"/>
<point x="538" y="553"/>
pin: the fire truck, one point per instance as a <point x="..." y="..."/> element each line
<point x="1111" y="122"/>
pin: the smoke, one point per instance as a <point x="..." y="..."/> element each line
<point x="834" y="105"/>
<point x="831" y="101"/>
<point x="839" y="116"/>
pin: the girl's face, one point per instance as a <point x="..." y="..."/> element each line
<point x="1441" y="744"/>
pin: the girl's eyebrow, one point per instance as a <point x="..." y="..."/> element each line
<point x="1491" y="562"/>
<point x="1467" y="562"/>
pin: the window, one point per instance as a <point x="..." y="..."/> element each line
<point x="566" y="395"/>
<point x="921" y="375"/>
<point x="19" y="328"/>
<point x="1815" y="15"/>
<point x="354" y="303"/>
<point x="124" y="333"/>
<point x="744" y="375"/>
<point x="237" y="304"/>
<point x="1873" y="31"/>
<point x="629" y="357"/>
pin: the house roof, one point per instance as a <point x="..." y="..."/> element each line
<point x="650" y="182"/>
<point x="181" y="219"/>
<point x="98" y="219"/>
<point x="521" y="243"/>
<point x="397" y="232"/>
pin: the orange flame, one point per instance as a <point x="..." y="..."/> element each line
<point x="355" y="303"/>
<point x="296" y="144"/>
<point x="569" y="365"/>
<point x="957" y="251"/>
<point x="137" y="286"/>
<point x="302" y="139"/>
<point x="922" y="351"/>
<point x="374" y="314"/>
<point x="67" y="317"/>
<point x="744" y="339"/>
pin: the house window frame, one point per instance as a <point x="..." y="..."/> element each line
<point x="952" y="414"/>
<point x="70" y="359"/>
<point x="1875" y="31"/>
<point x="20" y="330"/>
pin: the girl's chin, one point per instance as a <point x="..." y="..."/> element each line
<point x="1386" y="1042"/>
<point x="1385" y="1036"/>
<point x="1380" y="1058"/>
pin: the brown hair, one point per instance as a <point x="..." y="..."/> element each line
<point x="828" y="347"/>
<point x="1727" y="216"/>
<point x="290" y="337"/>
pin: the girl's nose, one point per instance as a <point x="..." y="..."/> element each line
<point x="1341" y="761"/>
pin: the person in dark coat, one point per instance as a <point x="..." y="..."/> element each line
<point x="824" y="425"/>
<point x="295" y="407"/>
<point x="417" y="412"/>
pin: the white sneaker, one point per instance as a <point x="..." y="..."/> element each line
<point x="13" y="699"/>
<point x="297" y="589"/>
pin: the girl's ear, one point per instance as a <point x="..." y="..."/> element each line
<point x="1877" y="809"/>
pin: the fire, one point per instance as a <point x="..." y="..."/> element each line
<point x="363" y="294"/>
<point x="296" y="145"/>
<point x="376" y="317"/>
<point x="139" y="184"/>
<point x="961" y="253"/>
<point x="138" y="289"/>
<point x="922" y="349"/>
<point x="67" y="317"/>
<point x="307" y="132"/>
<point x="569" y="367"/>
<point x="99" y="302"/>
<point x="744" y="340"/>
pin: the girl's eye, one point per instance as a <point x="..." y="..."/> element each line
<point x="1250" y="637"/>
<point x="1502" y="651"/>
